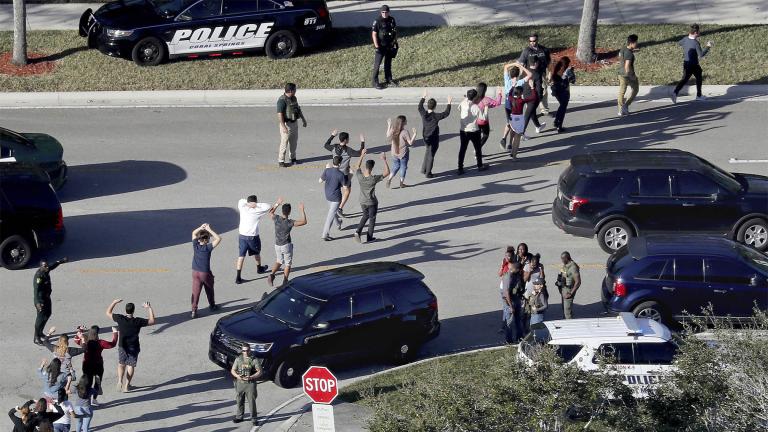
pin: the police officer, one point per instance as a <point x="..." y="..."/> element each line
<point x="536" y="58"/>
<point x="245" y="370"/>
<point x="384" y="35"/>
<point x="568" y="282"/>
<point x="42" y="297"/>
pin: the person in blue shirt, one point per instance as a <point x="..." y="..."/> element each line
<point x="511" y="80"/>
<point x="692" y="53"/>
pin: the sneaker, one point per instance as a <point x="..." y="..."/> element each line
<point x="430" y="175"/>
<point x="295" y="161"/>
<point x="560" y="129"/>
<point x="238" y="280"/>
<point x="94" y="402"/>
<point x="340" y="212"/>
<point x="357" y="237"/>
<point x="213" y="307"/>
<point x="282" y="165"/>
<point x="525" y="138"/>
<point x="338" y="224"/>
<point x="393" y="83"/>
<point x="701" y="98"/>
<point x="545" y="112"/>
<point x="237" y="420"/>
<point x="484" y="167"/>
<point x="460" y="171"/>
<point x="193" y="315"/>
<point x="403" y="185"/>
<point x="673" y="96"/>
<point x="625" y="109"/>
<point x="271" y="279"/>
<point x="370" y="239"/>
<point x="540" y="128"/>
<point x="379" y="87"/>
<point x="328" y="238"/>
<point x="503" y="143"/>
<point x="37" y="341"/>
<point x="620" y="113"/>
<point x="262" y="269"/>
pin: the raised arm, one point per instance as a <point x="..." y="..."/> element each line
<point x="389" y="128"/>
<point x="214" y="236"/>
<point x="386" y="164"/>
<point x="151" y="312"/>
<point x="196" y="231"/>
<point x="57" y="263"/>
<point x="412" y="136"/>
<point x="360" y="160"/>
<point x="303" y="220"/>
<point x="111" y="307"/>
<point x="328" y="146"/>
<point x="422" y="111"/>
<point x="111" y="344"/>
<point x="447" y="111"/>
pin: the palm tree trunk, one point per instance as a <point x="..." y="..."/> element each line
<point x="19" y="32"/>
<point x="585" y="50"/>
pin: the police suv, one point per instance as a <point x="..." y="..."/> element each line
<point x="151" y="31"/>
<point x="643" y="349"/>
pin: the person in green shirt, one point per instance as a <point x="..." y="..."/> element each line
<point x="568" y="282"/>
<point x="627" y="76"/>
<point x="245" y="370"/>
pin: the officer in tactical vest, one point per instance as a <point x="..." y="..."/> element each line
<point x="568" y="282"/>
<point x="288" y="114"/>
<point x="245" y="370"/>
<point x="384" y="35"/>
<point x="42" y="297"/>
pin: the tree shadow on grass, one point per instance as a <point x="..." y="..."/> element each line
<point x="59" y="55"/>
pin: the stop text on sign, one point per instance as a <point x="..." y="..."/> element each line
<point x="320" y="384"/>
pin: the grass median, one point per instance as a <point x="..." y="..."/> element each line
<point x="444" y="56"/>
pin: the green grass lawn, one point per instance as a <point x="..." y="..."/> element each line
<point x="445" y="56"/>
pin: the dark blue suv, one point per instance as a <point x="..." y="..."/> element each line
<point x="332" y="316"/>
<point x="665" y="277"/>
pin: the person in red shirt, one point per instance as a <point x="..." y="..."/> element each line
<point x="517" y="118"/>
<point x="93" y="362"/>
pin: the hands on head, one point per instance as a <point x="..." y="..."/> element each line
<point x="334" y="132"/>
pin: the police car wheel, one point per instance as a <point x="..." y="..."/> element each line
<point x="282" y="45"/>
<point x="289" y="373"/>
<point x="649" y="309"/>
<point x="149" y="51"/>
<point x="15" y="252"/>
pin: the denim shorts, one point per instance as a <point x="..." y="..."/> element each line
<point x="128" y="358"/>
<point x="249" y="245"/>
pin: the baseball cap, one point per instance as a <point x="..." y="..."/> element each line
<point x="538" y="280"/>
<point x="384" y="8"/>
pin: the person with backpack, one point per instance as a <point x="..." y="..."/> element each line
<point x="469" y="131"/>
<point x="431" y="131"/>
<point x="288" y="113"/>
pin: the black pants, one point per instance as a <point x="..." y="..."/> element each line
<point x="369" y="215"/>
<point x="530" y="108"/>
<point x="433" y="144"/>
<point x="464" y="139"/>
<point x="386" y="55"/>
<point x="562" y="99"/>
<point x="42" y="317"/>
<point x="689" y="70"/>
<point x="485" y="132"/>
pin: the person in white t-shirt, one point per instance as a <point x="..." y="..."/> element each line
<point x="249" y="242"/>
<point x="469" y="130"/>
<point x="64" y="422"/>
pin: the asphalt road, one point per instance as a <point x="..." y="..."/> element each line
<point x="142" y="179"/>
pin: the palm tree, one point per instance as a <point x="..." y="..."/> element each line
<point x="19" y="32"/>
<point x="585" y="50"/>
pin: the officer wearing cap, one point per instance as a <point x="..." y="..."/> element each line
<point x="384" y="35"/>
<point x="245" y="370"/>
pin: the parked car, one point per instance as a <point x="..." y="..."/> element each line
<point x="152" y="31"/>
<point x="663" y="278"/>
<point x="617" y="195"/>
<point x="643" y="349"/>
<point x="30" y="214"/>
<point x="377" y="308"/>
<point x="34" y="148"/>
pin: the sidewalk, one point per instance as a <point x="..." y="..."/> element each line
<point x="329" y="97"/>
<point x="412" y="13"/>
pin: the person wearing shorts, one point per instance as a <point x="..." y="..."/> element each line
<point x="511" y="81"/>
<point x="248" y="240"/>
<point x="128" y="347"/>
<point x="283" y="243"/>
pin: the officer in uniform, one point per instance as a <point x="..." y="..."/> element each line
<point x="384" y="35"/>
<point x="42" y="297"/>
<point x="245" y="370"/>
<point x="568" y="282"/>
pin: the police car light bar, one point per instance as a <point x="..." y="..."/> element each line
<point x="630" y="322"/>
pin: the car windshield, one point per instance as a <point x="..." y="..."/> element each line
<point x="170" y="7"/>
<point x="8" y="137"/>
<point x="754" y="257"/>
<point x="292" y="307"/>
<point x="724" y="178"/>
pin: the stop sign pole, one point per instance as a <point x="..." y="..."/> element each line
<point x="322" y="387"/>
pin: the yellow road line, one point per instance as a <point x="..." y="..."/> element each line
<point x="125" y="270"/>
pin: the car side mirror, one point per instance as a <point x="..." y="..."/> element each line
<point x="321" y="325"/>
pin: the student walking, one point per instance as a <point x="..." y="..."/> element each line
<point x="288" y="112"/>
<point x="369" y="204"/>
<point x="514" y="300"/>
<point x="562" y="78"/>
<point x="283" y="243"/>
<point x="54" y="379"/>
<point x="245" y="370"/>
<point x="204" y="240"/>
<point x="568" y="282"/>
<point x="42" y="290"/>
<point x="400" y="144"/>
<point x="536" y="57"/>
<point x="129" y="347"/>
<point x="248" y="239"/>
<point x="627" y="76"/>
<point x="504" y="276"/>
<point x="469" y="131"/>
<point x="511" y="81"/>
<point x="385" y="45"/>
<point x="516" y="118"/>
<point x="82" y="400"/>
<point x="692" y="54"/>
<point x="335" y="182"/>
<point x="93" y="362"/>
<point x="431" y="131"/>
<point x="484" y="104"/>
<point x="346" y="152"/>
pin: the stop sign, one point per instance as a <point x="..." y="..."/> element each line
<point x="320" y="385"/>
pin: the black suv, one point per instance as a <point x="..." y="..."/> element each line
<point x="321" y="318"/>
<point x="663" y="277"/>
<point x="621" y="194"/>
<point x="30" y="214"/>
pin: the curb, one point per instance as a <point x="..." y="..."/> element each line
<point x="325" y="97"/>
<point x="288" y="423"/>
